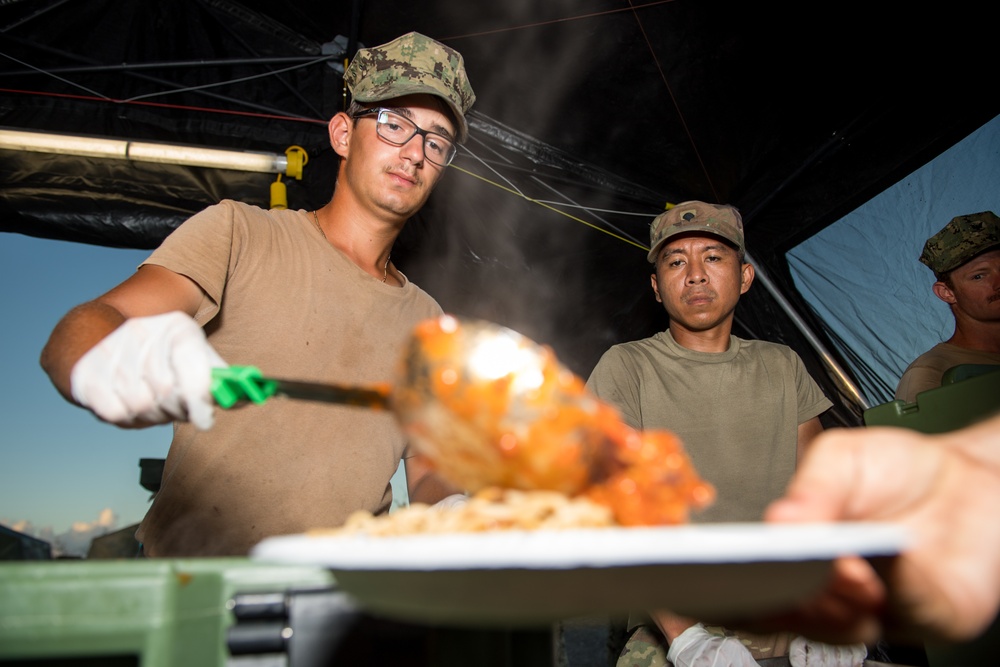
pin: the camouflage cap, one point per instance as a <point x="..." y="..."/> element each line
<point x="409" y="65"/>
<point x="961" y="239"/>
<point x="696" y="216"/>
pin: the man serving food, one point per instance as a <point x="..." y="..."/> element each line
<point x="303" y="294"/>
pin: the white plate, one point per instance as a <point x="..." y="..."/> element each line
<point x="517" y="578"/>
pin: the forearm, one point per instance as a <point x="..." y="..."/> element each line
<point x="670" y="624"/>
<point x="430" y="489"/>
<point x="152" y="290"/>
<point x="77" y="332"/>
<point x="806" y="433"/>
<point x="424" y="485"/>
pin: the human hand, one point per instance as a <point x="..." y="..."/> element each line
<point x="945" y="490"/>
<point x="452" y="501"/>
<point x="697" y="647"/>
<point x="806" y="653"/>
<point x="150" y="370"/>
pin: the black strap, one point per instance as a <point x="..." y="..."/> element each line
<point x="780" y="661"/>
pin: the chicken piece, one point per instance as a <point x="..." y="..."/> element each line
<point x="651" y="480"/>
<point x="489" y="407"/>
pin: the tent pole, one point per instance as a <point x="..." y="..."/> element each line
<point x="817" y="345"/>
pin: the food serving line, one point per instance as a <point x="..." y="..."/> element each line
<point x="491" y="409"/>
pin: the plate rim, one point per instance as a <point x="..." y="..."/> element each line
<point x="717" y="543"/>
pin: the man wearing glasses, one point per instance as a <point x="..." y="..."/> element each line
<point x="309" y="295"/>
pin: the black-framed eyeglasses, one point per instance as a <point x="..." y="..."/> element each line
<point x="398" y="130"/>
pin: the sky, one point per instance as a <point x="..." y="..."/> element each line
<point x="65" y="476"/>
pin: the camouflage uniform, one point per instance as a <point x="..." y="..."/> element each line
<point x="647" y="647"/>
<point x="961" y="239"/>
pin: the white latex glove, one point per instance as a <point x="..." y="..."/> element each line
<point x="454" y="500"/>
<point x="806" y="653"/>
<point x="150" y="370"/>
<point x="697" y="647"/>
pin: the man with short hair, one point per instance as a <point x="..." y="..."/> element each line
<point x="309" y="295"/>
<point x="965" y="259"/>
<point x="744" y="409"/>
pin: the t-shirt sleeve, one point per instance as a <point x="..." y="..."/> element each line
<point x="915" y="380"/>
<point x="202" y="249"/>
<point x="614" y="382"/>
<point x="812" y="401"/>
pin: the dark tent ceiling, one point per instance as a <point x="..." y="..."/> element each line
<point x="587" y="110"/>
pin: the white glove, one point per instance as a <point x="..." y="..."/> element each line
<point x="697" y="647"/>
<point x="806" y="653"/>
<point x="449" y="502"/>
<point x="150" y="370"/>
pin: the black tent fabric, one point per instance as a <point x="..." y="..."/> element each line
<point x="592" y="116"/>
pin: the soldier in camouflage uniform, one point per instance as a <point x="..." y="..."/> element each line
<point x="309" y="294"/>
<point x="965" y="259"/>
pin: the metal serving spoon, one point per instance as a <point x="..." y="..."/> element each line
<point x="490" y="407"/>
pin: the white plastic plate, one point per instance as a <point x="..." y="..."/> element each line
<point x="518" y="578"/>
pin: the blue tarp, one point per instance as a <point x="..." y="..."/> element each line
<point x="862" y="275"/>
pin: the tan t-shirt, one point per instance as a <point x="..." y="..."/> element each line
<point x="927" y="370"/>
<point x="280" y="297"/>
<point x="737" y="412"/>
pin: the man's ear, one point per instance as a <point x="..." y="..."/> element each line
<point x="747" y="277"/>
<point x="340" y="128"/>
<point x="943" y="292"/>
<point x="656" y="287"/>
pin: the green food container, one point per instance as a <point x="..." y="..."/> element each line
<point x="148" y="612"/>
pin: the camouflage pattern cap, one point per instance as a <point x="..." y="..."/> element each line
<point x="961" y="239"/>
<point x="409" y="65"/>
<point x="695" y="216"/>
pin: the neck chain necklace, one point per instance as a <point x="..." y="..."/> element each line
<point x="385" y="269"/>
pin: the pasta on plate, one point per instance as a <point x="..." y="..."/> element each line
<point x="490" y="509"/>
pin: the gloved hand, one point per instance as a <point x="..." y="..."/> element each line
<point x="806" y="653"/>
<point x="449" y="502"/>
<point x="150" y="370"/>
<point x="697" y="647"/>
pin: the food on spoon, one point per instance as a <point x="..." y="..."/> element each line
<point x="491" y="408"/>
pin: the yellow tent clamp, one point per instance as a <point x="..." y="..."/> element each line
<point x="297" y="159"/>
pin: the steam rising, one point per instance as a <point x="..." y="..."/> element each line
<point x="494" y="252"/>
